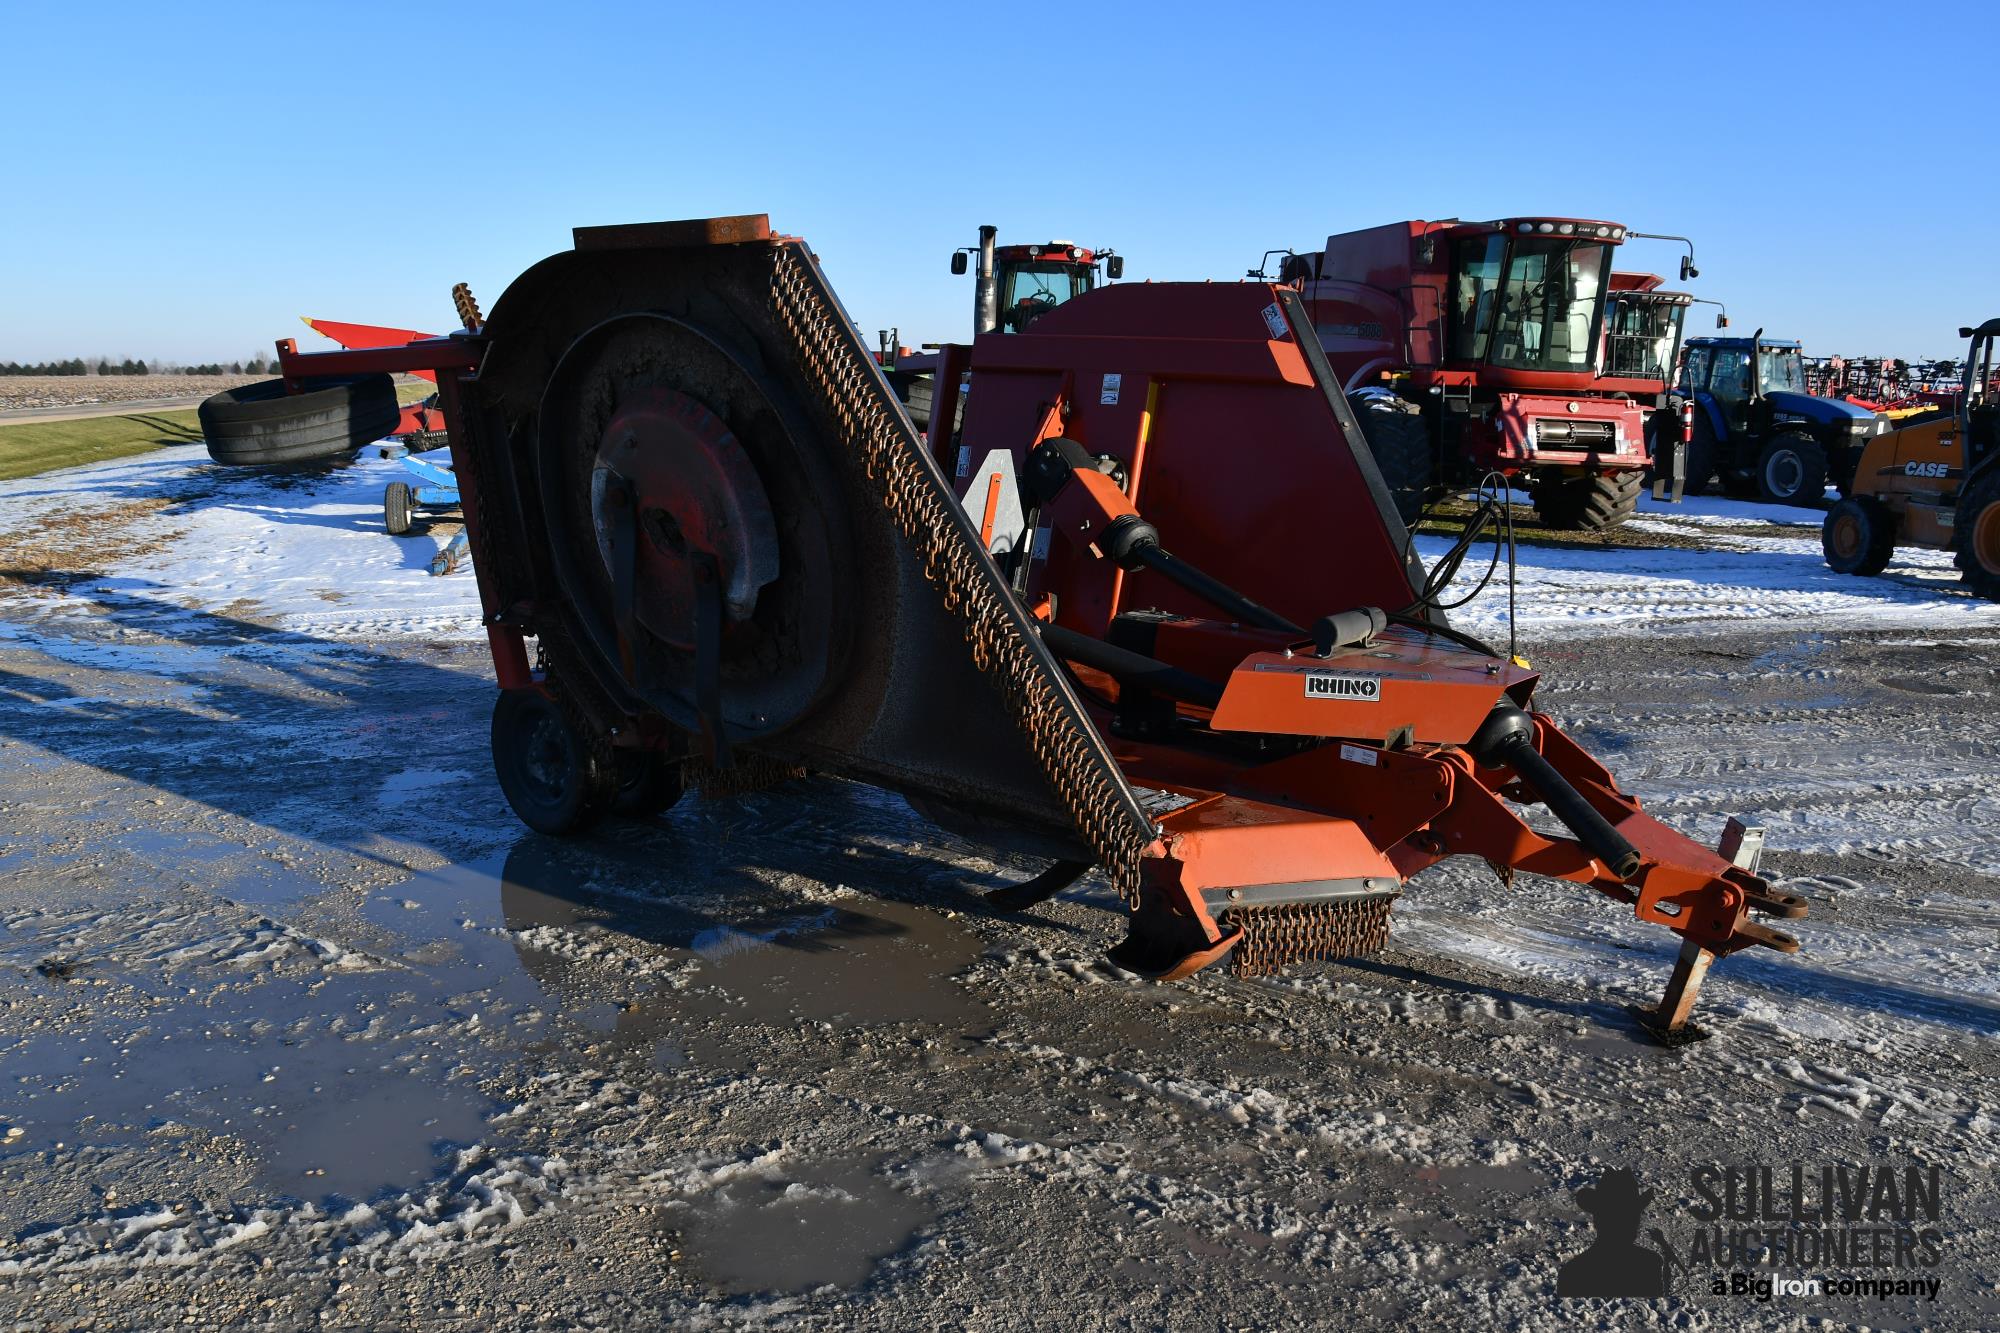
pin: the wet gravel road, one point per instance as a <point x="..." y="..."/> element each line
<point x="302" y="1030"/>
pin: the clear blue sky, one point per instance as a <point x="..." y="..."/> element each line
<point x="184" y="181"/>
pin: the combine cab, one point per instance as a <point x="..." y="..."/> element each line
<point x="1475" y="347"/>
<point x="1097" y="625"/>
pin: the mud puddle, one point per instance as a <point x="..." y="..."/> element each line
<point x="827" y="1224"/>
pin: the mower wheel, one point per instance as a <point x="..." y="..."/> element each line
<point x="1975" y="536"/>
<point x="648" y="782"/>
<point x="1588" y="504"/>
<point x="1701" y="453"/>
<point x="1858" y="537"/>
<point x="396" y="508"/>
<point x="1791" y="470"/>
<point x="546" y="769"/>
<point x="1400" y="439"/>
<point x="260" y="425"/>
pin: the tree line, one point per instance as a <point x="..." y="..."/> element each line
<point x="76" y="365"/>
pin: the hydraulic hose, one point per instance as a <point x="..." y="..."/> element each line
<point x="1507" y="739"/>
<point x="1130" y="668"/>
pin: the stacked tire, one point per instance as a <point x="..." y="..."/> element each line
<point x="261" y="425"/>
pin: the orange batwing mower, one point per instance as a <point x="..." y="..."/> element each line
<point x="1150" y="609"/>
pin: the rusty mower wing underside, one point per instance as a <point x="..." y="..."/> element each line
<point x="706" y="504"/>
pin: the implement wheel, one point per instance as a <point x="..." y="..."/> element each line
<point x="546" y="768"/>
<point x="648" y="782"/>
<point x="1858" y="537"/>
<point x="396" y="507"/>
<point x="1975" y="538"/>
<point x="1588" y="504"/>
<point x="1791" y="470"/>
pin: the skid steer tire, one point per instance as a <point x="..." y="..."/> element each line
<point x="1700" y="472"/>
<point x="1791" y="470"/>
<point x="1588" y="504"/>
<point x="1975" y="536"/>
<point x="546" y="768"/>
<point x="260" y="425"/>
<point x="1858" y="537"/>
<point x="1400" y="439"/>
<point x="396" y="508"/>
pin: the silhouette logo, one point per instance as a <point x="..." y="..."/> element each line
<point x="1615" y="1264"/>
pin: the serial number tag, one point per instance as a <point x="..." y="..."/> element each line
<point x="1274" y="320"/>
<point x="1343" y="685"/>
<point x="1359" y="754"/>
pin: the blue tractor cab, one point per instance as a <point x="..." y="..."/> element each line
<point x="1757" y="430"/>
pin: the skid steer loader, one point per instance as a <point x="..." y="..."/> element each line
<point x="1151" y="609"/>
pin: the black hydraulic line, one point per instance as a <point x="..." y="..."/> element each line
<point x="1457" y="636"/>
<point x="1507" y="739"/>
<point x="1130" y="668"/>
<point x="1211" y="590"/>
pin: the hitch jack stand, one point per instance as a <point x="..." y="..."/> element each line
<point x="1669" y="1024"/>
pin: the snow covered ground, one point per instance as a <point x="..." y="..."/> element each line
<point x="309" y="554"/>
<point x="306" y="552"/>
<point x="1760" y="564"/>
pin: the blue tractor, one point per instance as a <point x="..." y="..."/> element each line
<point x="1758" y="432"/>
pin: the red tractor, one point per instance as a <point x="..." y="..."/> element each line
<point x="1013" y="286"/>
<point x="1476" y="347"/>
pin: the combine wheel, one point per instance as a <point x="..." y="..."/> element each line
<point x="1792" y="470"/>
<point x="396" y="508"/>
<point x="1588" y="504"/>
<point x="260" y="425"/>
<point x="1400" y="439"/>
<point x="1975" y="536"/>
<point x="1859" y="536"/>
<point x="545" y="767"/>
<point x="648" y="782"/>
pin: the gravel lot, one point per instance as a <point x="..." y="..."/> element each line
<point x="303" y="1031"/>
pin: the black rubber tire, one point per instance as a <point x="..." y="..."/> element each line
<point x="1588" y="504"/>
<point x="260" y="425"/>
<point x="1400" y="439"/>
<point x="1701" y="455"/>
<point x="546" y="769"/>
<point x="1858" y="537"/>
<point x="1976" y="526"/>
<point x="916" y="392"/>
<point x="648" y="782"/>
<point x="1791" y="470"/>
<point x="396" y="508"/>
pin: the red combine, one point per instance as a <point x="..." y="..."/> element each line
<point x="712" y="548"/>
<point x="1477" y="347"/>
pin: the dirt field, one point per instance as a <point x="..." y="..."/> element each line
<point x="54" y="391"/>
<point x="303" y="1030"/>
